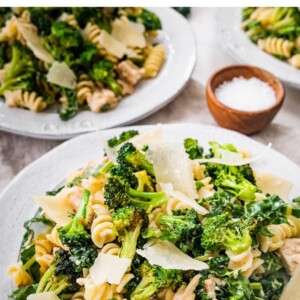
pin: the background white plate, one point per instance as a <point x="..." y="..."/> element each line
<point x="48" y="171"/>
<point x="150" y="95"/>
<point x="239" y="46"/>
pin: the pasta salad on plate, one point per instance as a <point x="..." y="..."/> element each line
<point x="275" y="30"/>
<point x="155" y="219"/>
<point x="77" y="58"/>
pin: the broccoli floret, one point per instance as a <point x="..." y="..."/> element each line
<point x="124" y="136"/>
<point x="21" y="73"/>
<point x="182" y="229"/>
<point x="233" y="179"/>
<point x="103" y="71"/>
<point x="78" y="239"/>
<point x="125" y="174"/>
<point x="88" y="55"/>
<point x="41" y="17"/>
<point x="61" y="275"/>
<point x="118" y="193"/>
<point x="284" y="17"/>
<point x="192" y="148"/>
<point x="5" y="53"/>
<point x="128" y="222"/>
<point x="224" y="233"/>
<point x="129" y="155"/>
<point x="150" y="20"/>
<point x="145" y="182"/>
<point x="65" y="43"/>
<point x="69" y="109"/>
<point x="154" y="279"/>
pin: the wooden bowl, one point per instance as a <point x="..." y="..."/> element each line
<point x="243" y="121"/>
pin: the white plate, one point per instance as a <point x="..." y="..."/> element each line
<point x="238" y="45"/>
<point x="48" y="171"/>
<point x="150" y="95"/>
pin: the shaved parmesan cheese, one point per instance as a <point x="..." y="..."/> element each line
<point x="109" y="268"/>
<point x="168" y="189"/>
<point x="152" y="136"/>
<point x="43" y="296"/>
<point x="168" y="256"/>
<point x="34" y="42"/>
<point x="172" y="165"/>
<point x="234" y="159"/>
<point x="58" y="207"/>
<point x="292" y="291"/>
<point x="129" y="33"/>
<point x="272" y="184"/>
<point x="62" y="75"/>
<point x="111" y="45"/>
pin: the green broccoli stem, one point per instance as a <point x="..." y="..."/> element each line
<point x="144" y="290"/>
<point x="44" y="280"/>
<point x="156" y="199"/>
<point x="29" y="263"/>
<point x="130" y="242"/>
<point x="107" y="167"/>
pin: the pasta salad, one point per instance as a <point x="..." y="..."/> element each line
<point x="275" y="30"/>
<point x="157" y="220"/>
<point x="89" y="58"/>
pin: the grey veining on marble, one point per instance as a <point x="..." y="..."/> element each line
<point x="16" y="152"/>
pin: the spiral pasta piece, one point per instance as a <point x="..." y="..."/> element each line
<point x="263" y="15"/>
<point x="198" y="170"/>
<point x="19" y="274"/>
<point x="69" y="18"/>
<point x="276" y="46"/>
<point x="25" y="99"/>
<point x="53" y="237"/>
<point x="154" y="61"/>
<point x="111" y="248"/>
<point x="246" y="262"/>
<point x="84" y="88"/>
<point x="154" y="218"/>
<point x="207" y="189"/>
<point x="175" y="204"/>
<point x="295" y="61"/>
<point x="280" y="233"/>
<point x="102" y="226"/>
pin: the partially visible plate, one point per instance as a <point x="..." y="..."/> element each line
<point x="17" y="204"/>
<point x="237" y="44"/>
<point x="149" y="96"/>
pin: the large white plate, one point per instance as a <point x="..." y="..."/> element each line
<point x="238" y="45"/>
<point x="48" y="171"/>
<point x="150" y="95"/>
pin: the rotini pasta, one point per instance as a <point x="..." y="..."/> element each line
<point x="79" y="295"/>
<point x="280" y="233"/>
<point x="102" y="226"/>
<point x="154" y="61"/>
<point x="246" y="262"/>
<point x="29" y="100"/>
<point x="69" y="18"/>
<point x="19" y="274"/>
<point x="277" y="46"/>
<point x="295" y="61"/>
<point x="111" y="248"/>
<point x="84" y="88"/>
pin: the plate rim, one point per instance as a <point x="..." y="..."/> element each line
<point x="57" y="135"/>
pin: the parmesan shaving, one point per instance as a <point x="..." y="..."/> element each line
<point x="43" y="296"/>
<point x="168" y="189"/>
<point x="109" y="268"/>
<point x="62" y="75"/>
<point x="172" y="165"/>
<point x="273" y="184"/>
<point x="292" y="291"/>
<point x="129" y="33"/>
<point x="59" y="206"/>
<point x="168" y="256"/>
<point x="152" y="136"/>
<point x="112" y="45"/>
<point x="234" y="159"/>
<point x="34" y="42"/>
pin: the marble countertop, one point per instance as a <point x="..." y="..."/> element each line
<point x="16" y="152"/>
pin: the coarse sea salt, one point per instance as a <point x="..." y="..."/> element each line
<point x="246" y="94"/>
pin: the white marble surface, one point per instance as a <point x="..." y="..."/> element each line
<point x="16" y="151"/>
<point x="211" y="56"/>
